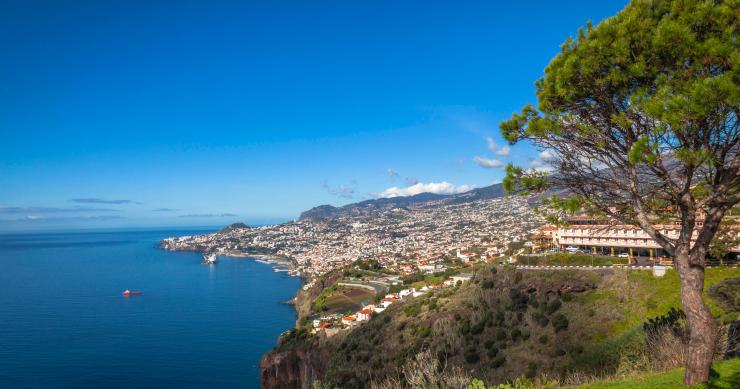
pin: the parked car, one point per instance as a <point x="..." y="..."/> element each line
<point x="623" y="255"/>
<point x="571" y="249"/>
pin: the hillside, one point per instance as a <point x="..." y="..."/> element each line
<point x="507" y="323"/>
<point x="368" y="206"/>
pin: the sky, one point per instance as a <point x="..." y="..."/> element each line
<point x="185" y="113"/>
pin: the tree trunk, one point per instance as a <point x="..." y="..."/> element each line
<point x="702" y="329"/>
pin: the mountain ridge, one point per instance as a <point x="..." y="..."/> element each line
<point x="330" y="212"/>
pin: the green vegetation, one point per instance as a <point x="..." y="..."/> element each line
<point x="725" y="375"/>
<point x="507" y="323"/>
<point x="652" y="89"/>
<point x="342" y="298"/>
<point x="564" y="259"/>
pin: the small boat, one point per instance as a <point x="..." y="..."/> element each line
<point x="130" y="292"/>
<point x="209" y="259"/>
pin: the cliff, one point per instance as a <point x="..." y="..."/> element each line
<point x="293" y="368"/>
<point x="503" y="324"/>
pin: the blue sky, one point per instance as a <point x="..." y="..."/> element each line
<point x="149" y="113"/>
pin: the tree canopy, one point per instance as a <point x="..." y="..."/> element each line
<point x="639" y="114"/>
<point x="638" y="121"/>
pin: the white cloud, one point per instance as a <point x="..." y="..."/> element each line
<point x="491" y="144"/>
<point x="504" y="151"/>
<point x="345" y="191"/>
<point x="391" y="173"/>
<point x="488" y="163"/>
<point x="500" y="151"/>
<point x="540" y="166"/>
<point x="443" y="187"/>
<point x="546" y="155"/>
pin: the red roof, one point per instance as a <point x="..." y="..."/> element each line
<point x="366" y="311"/>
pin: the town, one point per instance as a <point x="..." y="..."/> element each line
<point x="423" y="237"/>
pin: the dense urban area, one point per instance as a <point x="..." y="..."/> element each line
<point x="401" y="239"/>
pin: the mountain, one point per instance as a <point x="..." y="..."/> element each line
<point x="364" y="207"/>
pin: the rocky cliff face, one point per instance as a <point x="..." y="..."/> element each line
<point x="293" y="368"/>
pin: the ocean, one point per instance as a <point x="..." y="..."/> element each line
<point x="65" y="324"/>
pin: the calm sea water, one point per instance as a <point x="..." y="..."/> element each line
<point x="65" y="324"/>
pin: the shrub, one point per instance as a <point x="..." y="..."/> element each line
<point x="433" y="304"/>
<point x="471" y="355"/>
<point x="464" y="326"/>
<point x="533" y="301"/>
<point x="560" y="322"/>
<point x="500" y="318"/>
<point x="518" y="299"/>
<point x="515" y="334"/>
<point x="478" y="328"/>
<point x="412" y="310"/>
<point x="500" y="334"/>
<point x="498" y="362"/>
<point x="531" y="370"/>
<point x="543" y="339"/>
<point x="492" y="352"/>
<point x="487" y="284"/>
<point x="553" y="306"/>
<point x="540" y="319"/>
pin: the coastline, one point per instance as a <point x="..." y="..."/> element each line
<point x="279" y="264"/>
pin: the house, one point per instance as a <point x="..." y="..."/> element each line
<point x="426" y="267"/>
<point x="393" y="296"/>
<point x="321" y="327"/>
<point x="364" y="315"/>
<point x="407" y="292"/>
<point x="349" y="320"/>
<point x="378" y="309"/>
<point x="463" y="256"/>
<point x="450" y="282"/>
<point x="387" y="302"/>
<point x="462" y="277"/>
<point x="406" y="269"/>
<point x="417" y="294"/>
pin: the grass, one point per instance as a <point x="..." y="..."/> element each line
<point x="624" y="300"/>
<point x="659" y="294"/>
<point x="562" y="259"/>
<point x="726" y="374"/>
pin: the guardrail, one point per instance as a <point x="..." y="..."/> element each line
<point x="585" y="267"/>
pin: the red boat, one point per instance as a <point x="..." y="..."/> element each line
<point x="129" y="292"/>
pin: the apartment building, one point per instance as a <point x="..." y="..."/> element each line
<point x="589" y="235"/>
